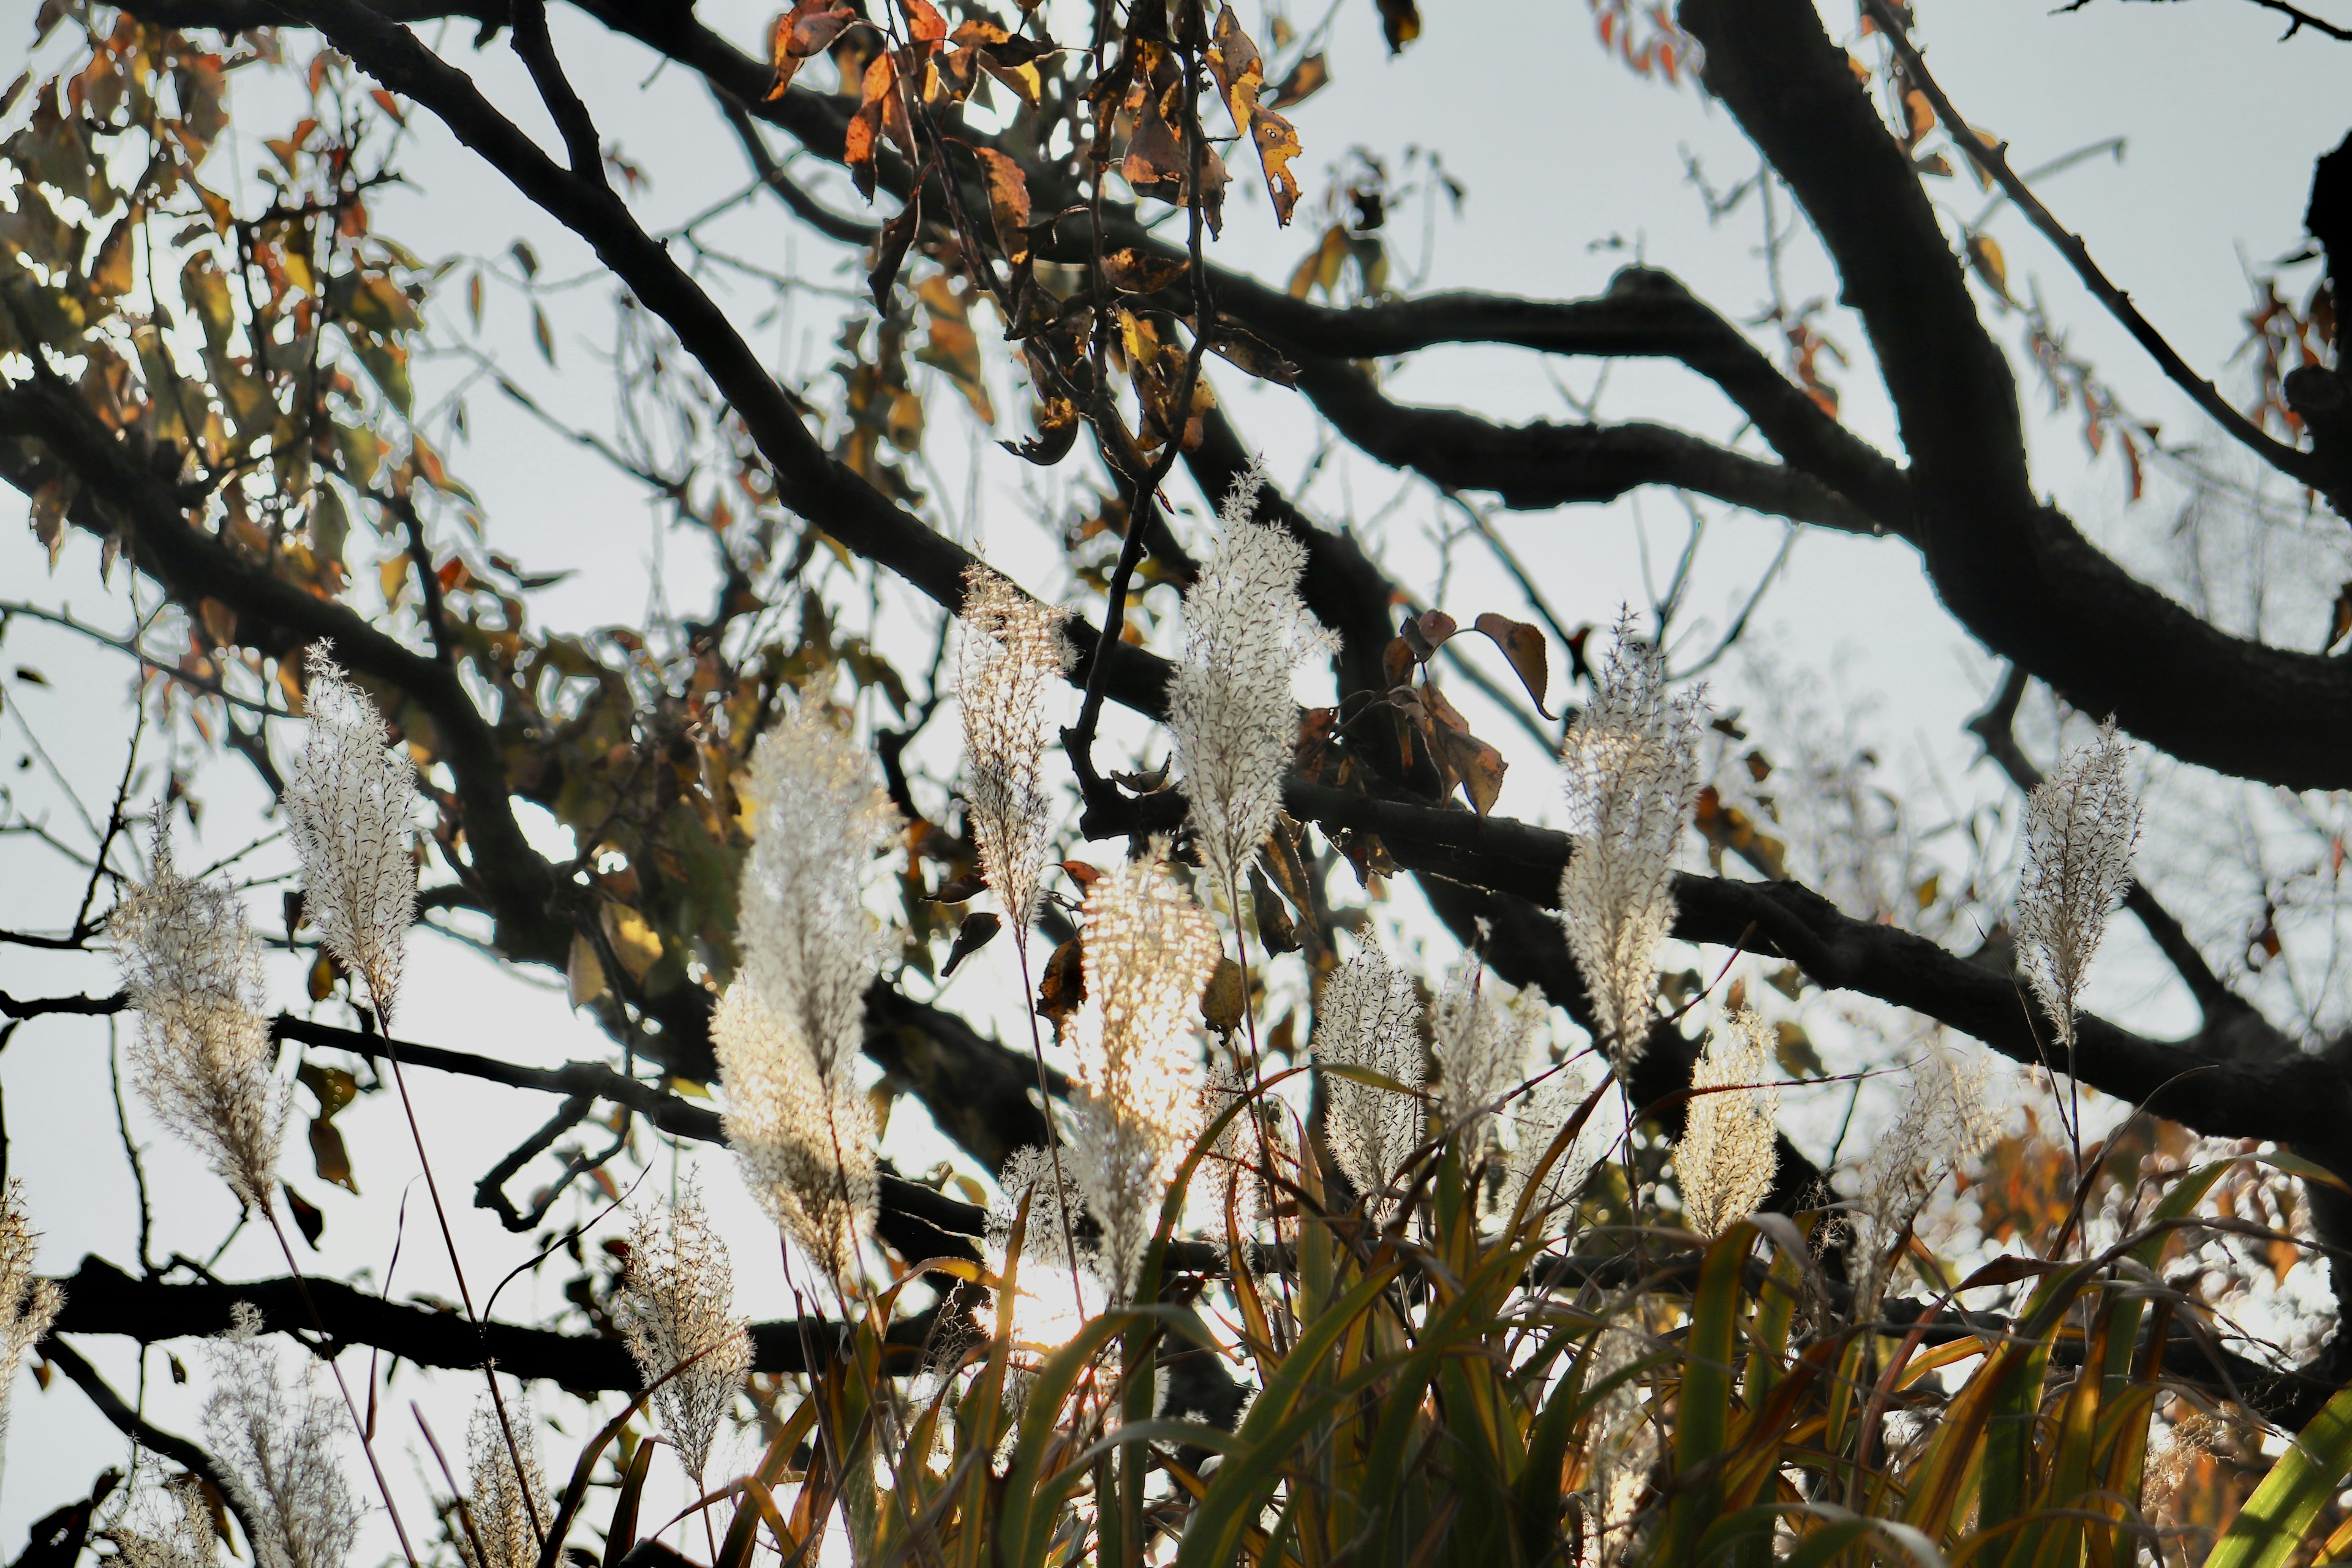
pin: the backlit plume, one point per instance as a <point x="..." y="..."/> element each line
<point x="174" y="1527"/>
<point x="510" y="1508"/>
<point x="1367" y="1017"/>
<point x="675" y="1310"/>
<point x="1480" y="1031"/>
<point x="349" y="800"/>
<point x="1012" y="654"/>
<point x="1229" y="705"/>
<point x="1631" y="769"/>
<point x="278" y="1438"/>
<point x="28" y="1303"/>
<point x="1051" y="1300"/>
<point x="2080" y="827"/>
<point x="1536" y="1122"/>
<point x="805" y="1148"/>
<point x="1149" y="951"/>
<point x="1729" y="1150"/>
<point x="1233" y="1175"/>
<point x="1952" y="1113"/>
<point x="203" y="1057"/>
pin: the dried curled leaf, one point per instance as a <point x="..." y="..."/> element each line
<point x="1523" y="644"/>
<point x="807" y="29"/>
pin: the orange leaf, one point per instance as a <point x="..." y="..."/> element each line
<point x="1523" y="644"/>
<point x="1008" y="200"/>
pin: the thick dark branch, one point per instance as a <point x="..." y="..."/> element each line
<point x="1993" y="158"/>
<point x="582" y="146"/>
<point x="102" y="1299"/>
<point x="2017" y="574"/>
<point x="135" y="1426"/>
<point x="1532" y="467"/>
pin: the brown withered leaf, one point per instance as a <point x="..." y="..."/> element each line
<point x="1397" y="660"/>
<point x="2339" y="624"/>
<point x="1478" y="766"/>
<point x="1285" y="856"/>
<point x="328" y="1157"/>
<point x="1523" y="644"/>
<point x="332" y="1086"/>
<point x="979" y="929"/>
<point x="925" y="26"/>
<point x="890" y="251"/>
<point x="307" y="1217"/>
<point x="858" y="143"/>
<point x="1008" y="201"/>
<point x="1057" y="422"/>
<point x="1134" y="271"/>
<point x="1306" y="78"/>
<point x="1146" y="782"/>
<point x="1225" y="1000"/>
<point x="1726" y="828"/>
<point x="1254" y="354"/>
<point x="1400" y="23"/>
<point x="1428" y="631"/>
<point x="1316" y="753"/>
<point x="1986" y="261"/>
<point x="807" y="29"/>
<point x="1064" y="988"/>
<point x="1274" y="927"/>
<point x="1278" y="144"/>
<point x="1323" y="265"/>
<point x="959" y="890"/>
<point x="1240" y="70"/>
<point x="1079" y="871"/>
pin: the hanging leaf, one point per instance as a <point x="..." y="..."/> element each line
<point x="1400" y="23"/>
<point x="1274" y="927"/>
<point x="1063" y="987"/>
<point x="332" y="1160"/>
<point x="1985" y="260"/>
<point x="1008" y="202"/>
<point x="1306" y="78"/>
<point x="807" y="29"/>
<point x="1225" y="1000"/>
<point x="1523" y="644"/>
<point x="979" y="929"/>
<point x="307" y="1217"/>
<point x="890" y="253"/>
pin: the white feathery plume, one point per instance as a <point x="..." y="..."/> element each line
<point x="349" y="801"/>
<point x="1367" y="1017"/>
<point x="1012" y="654"/>
<point x="1233" y="1166"/>
<point x="1951" y="1114"/>
<point x="809" y="943"/>
<point x="2081" y="824"/>
<point x="805" y="1149"/>
<point x="510" y="1507"/>
<point x="1479" y="1032"/>
<point x="1149" y="951"/>
<point x="1728" y="1149"/>
<point x="1046" y="1308"/>
<point x="204" y="1057"/>
<point x="178" y="1528"/>
<point x="1630" y="774"/>
<point x="1535" y="1122"/>
<point x="1619" y="1453"/>
<point x="1229" y="704"/>
<point x="28" y="1303"/>
<point x="675" y="1309"/>
<point x="278" y="1441"/>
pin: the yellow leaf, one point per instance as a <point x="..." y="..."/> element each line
<point x="583" y="973"/>
<point x="635" y="942"/>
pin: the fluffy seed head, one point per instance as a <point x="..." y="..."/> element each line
<point x="810" y="944"/>
<point x="1367" y="1017"/>
<point x="1149" y="951"/>
<point x="28" y="1303"/>
<point x="1229" y="706"/>
<point x="280" y="1441"/>
<point x="1480" y="1031"/>
<point x="509" y="1506"/>
<point x="176" y="1528"/>
<point x="349" y="800"/>
<point x="805" y="1148"/>
<point x="1045" y="1311"/>
<point x="1620" y="1452"/>
<point x="1631" y="771"/>
<point x="1535" y="1122"/>
<point x="2081" y="824"/>
<point x="1012" y="654"/>
<point x="202" y="1059"/>
<point x="1951" y="1114"/>
<point x="677" y="1291"/>
<point x="1234" y="1166"/>
<point x="1729" y="1150"/>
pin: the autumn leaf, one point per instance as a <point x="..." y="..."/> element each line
<point x="858" y="143"/>
<point x="1985" y="260"/>
<point x="1278" y="144"/>
<point x="1134" y="271"/>
<point x="978" y="930"/>
<point x="307" y="1217"/>
<point x="1008" y="201"/>
<point x="890" y="252"/>
<point x="1523" y="644"/>
<point x="1253" y="354"/>
<point x="1064" y="988"/>
<point x="1306" y="78"/>
<point x="807" y="29"/>
<point x="1400" y="23"/>
<point x="329" y="1155"/>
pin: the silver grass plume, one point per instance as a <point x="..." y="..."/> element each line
<point x="1367" y="1017"/>
<point x="809" y="943"/>
<point x="278" y="1442"/>
<point x="1053" y="1296"/>
<point x="1480" y="1031"/>
<point x="805" y="1148"/>
<point x="349" y="804"/>
<point x="2081" y="824"/>
<point x="1012" y="653"/>
<point x="1620" y="1451"/>
<point x="178" y="1533"/>
<point x="510" y="1507"/>
<point x="1229" y="704"/>
<point x="203" y="1057"/>
<point x="1149" y="951"/>
<point x="1631" y="773"/>
<point x="28" y="1303"/>
<point x="1535" y="1122"/>
<point x="1233" y="1165"/>
<point x="1951" y="1114"/>
<point x="675" y="1308"/>
<point x="1729" y="1150"/>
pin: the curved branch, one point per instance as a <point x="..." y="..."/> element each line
<point x="1538" y="465"/>
<point x="2017" y="573"/>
